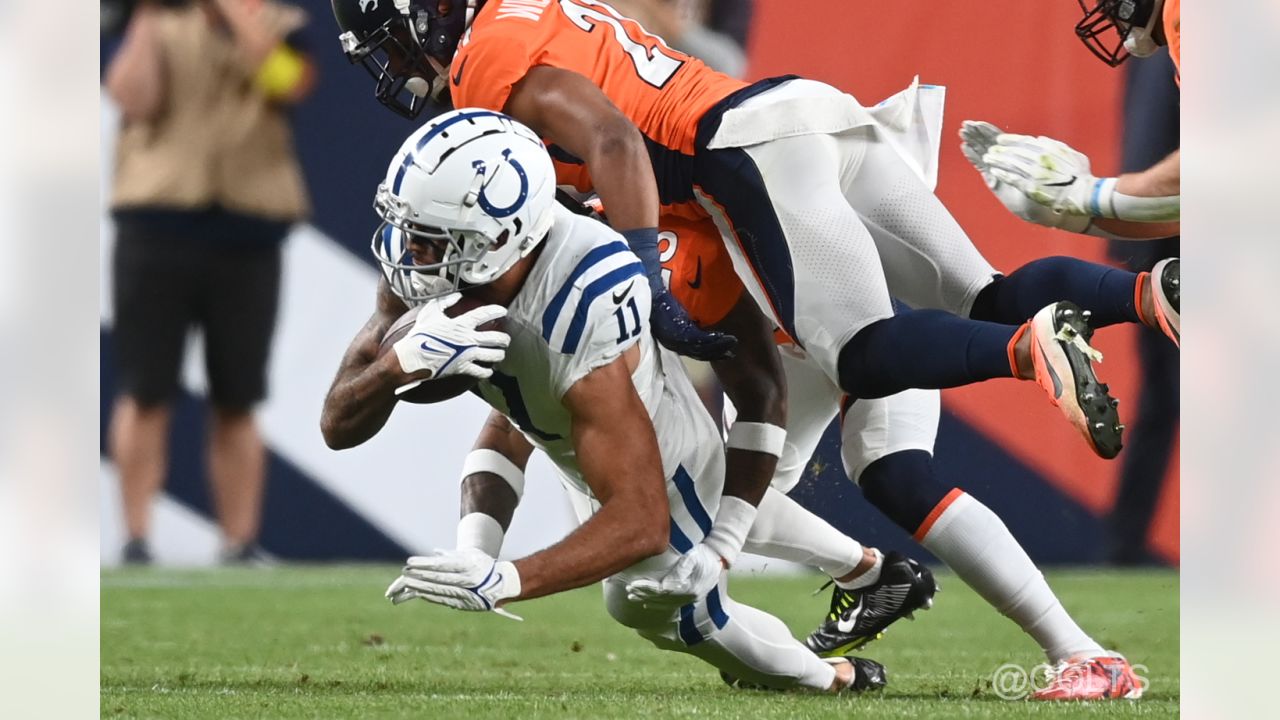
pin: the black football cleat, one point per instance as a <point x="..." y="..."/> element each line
<point x="867" y="675"/>
<point x="859" y="616"/>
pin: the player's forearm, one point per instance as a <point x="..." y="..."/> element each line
<point x="618" y="456"/>
<point x="754" y="382"/>
<point x="615" y="538"/>
<point x="1163" y="179"/>
<point x="360" y="400"/>
<point x="488" y="492"/>
<point x="623" y="177"/>
<point x="1113" y="229"/>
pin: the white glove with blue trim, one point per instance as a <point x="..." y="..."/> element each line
<point x="462" y="579"/>
<point x="695" y="575"/>
<point x="452" y="346"/>
<point x="979" y="141"/>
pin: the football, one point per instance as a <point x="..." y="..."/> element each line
<point x="433" y="391"/>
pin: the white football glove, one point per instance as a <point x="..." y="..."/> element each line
<point x="1046" y="170"/>
<point x="452" y="346"/>
<point x="462" y="579"/>
<point x="689" y="581"/>
<point x="977" y="140"/>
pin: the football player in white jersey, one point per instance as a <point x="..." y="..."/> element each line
<point x="468" y="205"/>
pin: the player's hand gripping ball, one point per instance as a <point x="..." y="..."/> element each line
<point x="455" y="338"/>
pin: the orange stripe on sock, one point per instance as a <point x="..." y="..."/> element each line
<point x="936" y="513"/>
<point x="1013" y="343"/>
<point x="1144" y="278"/>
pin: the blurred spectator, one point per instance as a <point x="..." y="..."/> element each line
<point x="684" y="25"/>
<point x="206" y="188"/>
<point x="1151" y="131"/>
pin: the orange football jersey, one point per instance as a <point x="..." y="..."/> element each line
<point x="664" y="92"/>
<point x="1173" y="34"/>
<point x="698" y="268"/>
<point x="700" y="272"/>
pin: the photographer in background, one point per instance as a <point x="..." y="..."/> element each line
<point x="206" y="188"/>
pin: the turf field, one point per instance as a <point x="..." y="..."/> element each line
<point x="320" y="642"/>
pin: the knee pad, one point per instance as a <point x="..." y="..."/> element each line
<point x="873" y="429"/>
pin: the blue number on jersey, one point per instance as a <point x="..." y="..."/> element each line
<point x="623" y="333"/>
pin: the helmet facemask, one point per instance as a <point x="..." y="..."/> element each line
<point x="459" y="254"/>
<point x="408" y="56"/>
<point x="1115" y="29"/>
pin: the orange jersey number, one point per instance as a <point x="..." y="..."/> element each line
<point x="655" y="62"/>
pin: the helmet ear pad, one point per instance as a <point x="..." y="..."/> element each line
<point x="440" y="33"/>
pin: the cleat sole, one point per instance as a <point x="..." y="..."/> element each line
<point x="1102" y="419"/>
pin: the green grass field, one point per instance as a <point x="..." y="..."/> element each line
<point x="320" y="642"/>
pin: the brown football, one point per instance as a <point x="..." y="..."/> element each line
<point x="433" y="391"/>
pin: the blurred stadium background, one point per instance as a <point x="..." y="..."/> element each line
<point x="396" y="494"/>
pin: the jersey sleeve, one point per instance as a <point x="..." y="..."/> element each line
<point x="485" y="69"/>
<point x="600" y="312"/>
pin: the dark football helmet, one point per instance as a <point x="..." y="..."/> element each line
<point x="406" y="46"/>
<point x="1115" y="29"/>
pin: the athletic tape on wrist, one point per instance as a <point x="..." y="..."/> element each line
<point x="728" y="533"/>
<point x="758" y="437"/>
<point x="1109" y="203"/>
<point x="482" y="532"/>
<point x="492" y="461"/>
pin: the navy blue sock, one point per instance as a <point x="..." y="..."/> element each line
<point x="925" y="349"/>
<point x="1105" y="291"/>
<point x="903" y="486"/>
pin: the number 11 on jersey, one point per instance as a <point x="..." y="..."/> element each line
<point x="620" y="314"/>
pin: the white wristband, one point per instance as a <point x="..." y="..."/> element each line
<point x="729" y="531"/>
<point x="482" y="532"/>
<point x="492" y="461"/>
<point x="759" y="437"/>
<point x="1107" y="202"/>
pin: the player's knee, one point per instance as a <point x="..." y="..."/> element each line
<point x="855" y="367"/>
<point x="634" y="615"/>
<point x="904" y="487"/>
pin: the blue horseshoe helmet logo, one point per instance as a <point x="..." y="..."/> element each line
<point x="494" y="210"/>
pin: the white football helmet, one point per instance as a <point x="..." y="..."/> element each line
<point x="474" y="184"/>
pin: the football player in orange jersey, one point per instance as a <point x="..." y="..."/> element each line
<point x="789" y="169"/>
<point x="1029" y="173"/>
<point x="887" y="447"/>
